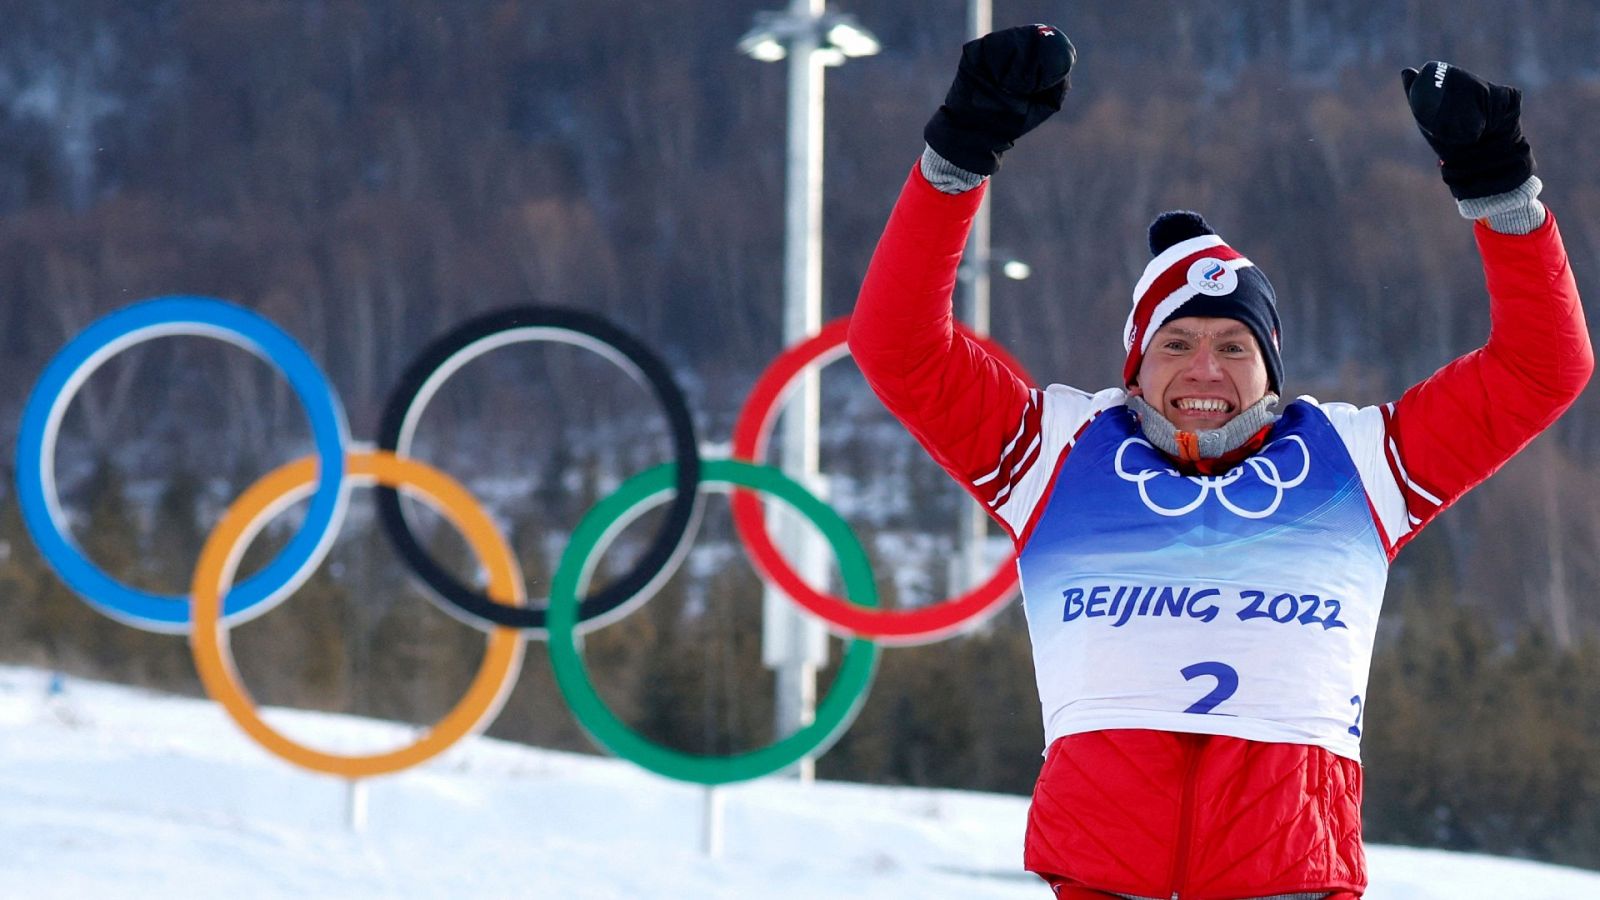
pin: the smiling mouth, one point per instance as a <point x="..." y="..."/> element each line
<point x="1203" y="405"/>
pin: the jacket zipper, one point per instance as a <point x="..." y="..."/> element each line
<point x="1185" y="813"/>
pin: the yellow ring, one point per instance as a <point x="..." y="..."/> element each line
<point x="219" y="561"/>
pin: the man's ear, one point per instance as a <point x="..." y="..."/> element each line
<point x="1134" y="390"/>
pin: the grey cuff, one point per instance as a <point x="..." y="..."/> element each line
<point x="1517" y="211"/>
<point x="945" y="176"/>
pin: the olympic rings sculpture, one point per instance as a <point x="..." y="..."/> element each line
<point x="750" y="433"/>
<point x="214" y="604"/>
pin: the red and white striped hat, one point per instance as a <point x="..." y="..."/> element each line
<point x="1195" y="273"/>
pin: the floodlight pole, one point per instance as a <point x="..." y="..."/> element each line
<point x="973" y="528"/>
<point x="795" y="645"/>
<point x="810" y="37"/>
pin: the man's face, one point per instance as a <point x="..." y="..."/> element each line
<point x="1201" y="371"/>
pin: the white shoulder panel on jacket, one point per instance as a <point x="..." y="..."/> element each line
<point x="1367" y="439"/>
<point x="1063" y="414"/>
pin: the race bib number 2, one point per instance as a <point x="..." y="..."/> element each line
<point x="1227" y="684"/>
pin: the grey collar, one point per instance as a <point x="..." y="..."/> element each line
<point x="1213" y="442"/>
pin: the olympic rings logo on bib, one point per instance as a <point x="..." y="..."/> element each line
<point x="1262" y="466"/>
<point x="214" y="604"/>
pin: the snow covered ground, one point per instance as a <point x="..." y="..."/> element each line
<point x="107" y="791"/>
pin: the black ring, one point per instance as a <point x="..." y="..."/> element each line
<point x="441" y="358"/>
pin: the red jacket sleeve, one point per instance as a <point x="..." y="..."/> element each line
<point x="1458" y="426"/>
<point x="960" y="402"/>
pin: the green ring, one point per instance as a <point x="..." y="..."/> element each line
<point x="834" y="713"/>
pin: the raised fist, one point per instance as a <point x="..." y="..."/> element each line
<point x="1474" y="127"/>
<point x="1008" y="82"/>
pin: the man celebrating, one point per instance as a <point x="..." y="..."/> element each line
<point x="1202" y="572"/>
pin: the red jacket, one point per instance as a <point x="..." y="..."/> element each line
<point x="1165" y="814"/>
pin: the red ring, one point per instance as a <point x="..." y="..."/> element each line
<point x="750" y="433"/>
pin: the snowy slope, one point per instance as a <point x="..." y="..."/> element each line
<point x="107" y="791"/>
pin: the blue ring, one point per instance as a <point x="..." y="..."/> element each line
<point x="66" y="372"/>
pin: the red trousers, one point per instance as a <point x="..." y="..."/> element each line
<point x="1153" y="813"/>
<point x="1068" y="892"/>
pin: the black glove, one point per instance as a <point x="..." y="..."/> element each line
<point x="1008" y="82"/>
<point x="1473" y="125"/>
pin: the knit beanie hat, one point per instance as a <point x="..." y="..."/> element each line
<point x="1194" y="273"/>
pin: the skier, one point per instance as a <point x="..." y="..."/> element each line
<point x="1202" y="571"/>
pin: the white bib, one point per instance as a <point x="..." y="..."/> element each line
<point x="1243" y="604"/>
